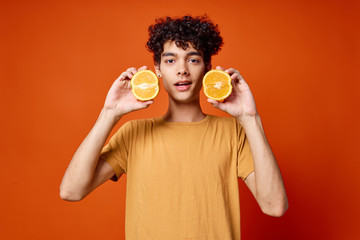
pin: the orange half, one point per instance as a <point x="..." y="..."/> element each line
<point x="145" y="85"/>
<point x="217" y="84"/>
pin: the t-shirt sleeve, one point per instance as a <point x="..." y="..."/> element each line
<point x="116" y="151"/>
<point x="245" y="163"/>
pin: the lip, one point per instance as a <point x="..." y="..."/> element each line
<point x="182" y="88"/>
<point x="183" y="81"/>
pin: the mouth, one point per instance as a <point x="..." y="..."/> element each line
<point x="183" y="85"/>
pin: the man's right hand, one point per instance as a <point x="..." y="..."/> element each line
<point x="86" y="170"/>
<point x="120" y="99"/>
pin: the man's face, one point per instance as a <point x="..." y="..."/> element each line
<point x="182" y="72"/>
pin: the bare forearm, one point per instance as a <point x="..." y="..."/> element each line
<point x="270" y="191"/>
<point x="80" y="171"/>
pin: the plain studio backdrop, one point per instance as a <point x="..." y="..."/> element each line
<point x="59" y="58"/>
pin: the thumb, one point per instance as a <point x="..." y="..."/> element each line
<point x="217" y="104"/>
<point x="145" y="104"/>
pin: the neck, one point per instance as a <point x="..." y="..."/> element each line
<point x="184" y="112"/>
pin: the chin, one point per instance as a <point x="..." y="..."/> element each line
<point x="184" y="99"/>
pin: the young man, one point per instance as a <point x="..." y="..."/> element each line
<point x="182" y="168"/>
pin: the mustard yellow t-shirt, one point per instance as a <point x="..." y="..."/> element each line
<point x="181" y="177"/>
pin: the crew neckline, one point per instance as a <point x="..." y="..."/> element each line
<point x="205" y="119"/>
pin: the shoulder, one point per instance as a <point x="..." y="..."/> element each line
<point x="137" y="124"/>
<point x="144" y="122"/>
<point x="132" y="128"/>
<point x="227" y="121"/>
<point x="226" y="124"/>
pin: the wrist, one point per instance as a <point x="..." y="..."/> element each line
<point x="248" y="120"/>
<point x="110" y="116"/>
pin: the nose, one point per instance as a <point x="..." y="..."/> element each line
<point x="182" y="70"/>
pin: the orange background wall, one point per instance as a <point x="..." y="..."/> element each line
<point x="59" y="58"/>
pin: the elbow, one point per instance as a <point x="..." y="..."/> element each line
<point x="67" y="197"/>
<point x="277" y="210"/>
<point x="70" y="196"/>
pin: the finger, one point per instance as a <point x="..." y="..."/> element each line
<point x="125" y="76"/>
<point x="213" y="102"/>
<point x="130" y="69"/>
<point x="143" y="68"/>
<point x="147" y="103"/>
<point x="235" y="77"/>
<point x="125" y="84"/>
<point x="217" y="104"/>
<point x="232" y="71"/>
<point x="130" y="72"/>
<point x="235" y="74"/>
<point x="220" y="68"/>
<point x="141" y="105"/>
<point x="122" y="76"/>
<point x="130" y="75"/>
<point x="133" y="71"/>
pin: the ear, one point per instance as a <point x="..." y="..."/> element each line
<point x="157" y="69"/>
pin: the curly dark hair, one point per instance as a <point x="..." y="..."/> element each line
<point x="199" y="31"/>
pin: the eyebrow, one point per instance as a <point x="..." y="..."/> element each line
<point x="166" y="54"/>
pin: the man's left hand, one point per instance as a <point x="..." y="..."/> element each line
<point x="240" y="104"/>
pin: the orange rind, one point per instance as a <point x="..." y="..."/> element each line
<point x="145" y="85"/>
<point x="217" y="85"/>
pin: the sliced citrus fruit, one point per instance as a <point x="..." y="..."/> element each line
<point x="217" y="84"/>
<point x="145" y="85"/>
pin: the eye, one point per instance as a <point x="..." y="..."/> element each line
<point x="193" y="60"/>
<point x="169" y="61"/>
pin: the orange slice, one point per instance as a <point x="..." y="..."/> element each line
<point x="145" y="85"/>
<point x="217" y="84"/>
